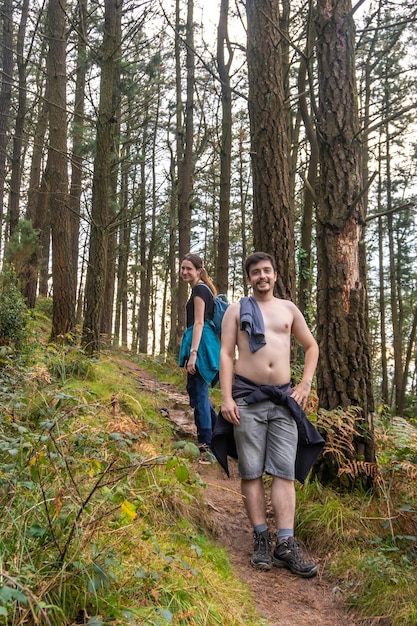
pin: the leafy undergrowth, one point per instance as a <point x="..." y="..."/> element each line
<point x="102" y="518"/>
<point x="367" y="540"/>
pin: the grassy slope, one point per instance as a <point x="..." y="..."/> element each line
<point x="103" y="522"/>
<point x="102" y="519"/>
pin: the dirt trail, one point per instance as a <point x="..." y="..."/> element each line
<point x="282" y="599"/>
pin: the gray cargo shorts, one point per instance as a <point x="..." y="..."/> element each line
<point x="266" y="440"/>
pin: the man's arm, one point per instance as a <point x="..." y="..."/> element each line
<point x="303" y="334"/>
<point x="229" y="409"/>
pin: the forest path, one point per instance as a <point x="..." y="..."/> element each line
<point x="281" y="598"/>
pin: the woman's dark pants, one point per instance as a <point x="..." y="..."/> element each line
<point x="204" y="414"/>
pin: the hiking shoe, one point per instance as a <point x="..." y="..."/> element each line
<point x="261" y="557"/>
<point x="288" y="553"/>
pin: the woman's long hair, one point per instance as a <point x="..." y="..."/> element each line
<point x="198" y="264"/>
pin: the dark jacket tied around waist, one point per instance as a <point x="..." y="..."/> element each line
<point x="310" y="442"/>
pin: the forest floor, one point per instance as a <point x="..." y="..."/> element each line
<point x="281" y="598"/>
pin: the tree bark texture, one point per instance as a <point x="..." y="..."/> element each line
<point x="309" y="197"/>
<point x="18" y="135"/>
<point x="273" y="219"/>
<point x="37" y="202"/>
<point x="101" y="193"/>
<point x="5" y="93"/>
<point x="344" y="373"/>
<point x="63" y="308"/>
<point x="78" y="137"/>
<point x="222" y="263"/>
<point x="185" y="162"/>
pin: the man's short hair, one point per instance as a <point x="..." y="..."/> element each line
<point x="254" y="258"/>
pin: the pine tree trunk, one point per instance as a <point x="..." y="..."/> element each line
<point x="5" y="93"/>
<point x="63" y="309"/>
<point x="344" y="373"/>
<point x="186" y="165"/>
<point x="78" y="138"/>
<point x="97" y="268"/>
<point x="222" y="262"/>
<point x="273" y="219"/>
<point x="18" y="135"/>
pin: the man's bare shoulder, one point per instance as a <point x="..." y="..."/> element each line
<point x="279" y="303"/>
<point x="287" y="304"/>
<point x="233" y="309"/>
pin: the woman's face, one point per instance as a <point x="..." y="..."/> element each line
<point x="189" y="273"/>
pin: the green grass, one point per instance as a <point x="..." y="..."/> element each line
<point x="367" y="546"/>
<point x="103" y="521"/>
<point x="103" y="517"/>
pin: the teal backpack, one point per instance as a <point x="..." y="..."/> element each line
<point x="220" y="306"/>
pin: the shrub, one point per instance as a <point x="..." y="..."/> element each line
<point x="13" y="312"/>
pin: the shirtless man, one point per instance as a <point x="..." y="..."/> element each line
<point x="265" y="432"/>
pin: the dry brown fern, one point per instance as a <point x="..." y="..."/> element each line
<point x="405" y="469"/>
<point x="340" y="428"/>
<point x="355" y="469"/>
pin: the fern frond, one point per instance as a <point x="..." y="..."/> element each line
<point x="405" y="469"/>
<point x="355" y="468"/>
<point x="340" y="428"/>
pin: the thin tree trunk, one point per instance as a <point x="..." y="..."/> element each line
<point x="186" y="166"/>
<point x="5" y="95"/>
<point x="393" y="279"/>
<point x="123" y="247"/>
<point x="106" y="321"/>
<point x="18" y="136"/>
<point x="172" y="255"/>
<point x="309" y="198"/>
<point x="382" y="304"/>
<point x="143" y="312"/>
<point x="407" y="361"/>
<point x="222" y="262"/>
<point x="37" y="203"/>
<point x="78" y="138"/>
<point x="382" y="312"/>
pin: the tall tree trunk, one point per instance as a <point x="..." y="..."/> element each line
<point x="152" y="234"/>
<point x="186" y="166"/>
<point x="63" y="309"/>
<point x="344" y="373"/>
<point x="135" y="291"/>
<point x="243" y="198"/>
<point x="37" y="199"/>
<point x="382" y="314"/>
<point x="96" y="272"/>
<point x="222" y="262"/>
<point x="5" y="95"/>
<point x="309" y="197"/>
<point x="273" y="219"/>
<point x="408" y="356"/>
<point x="78" y="138"/>
<point x="106" y="322"/>
<point x="123" y="248"/>
<point x="172" y="254"/>
<point x="394" y="276"/>
<point x="18" y="136"/>
<point x="143" y="312"/>
<point x="381" y="296"/>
